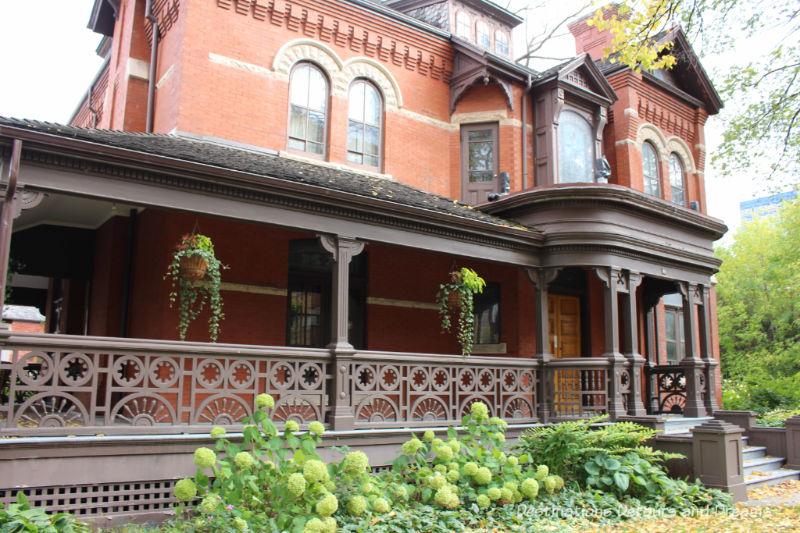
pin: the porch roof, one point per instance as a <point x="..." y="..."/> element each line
<point x="268" y="164"/>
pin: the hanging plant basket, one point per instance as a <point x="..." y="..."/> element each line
<point x="456" y="305"/>
<point x="455" y="298"/>
<point x="193" y="267"/>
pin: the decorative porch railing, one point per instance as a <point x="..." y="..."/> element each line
<point x="71" y="385"/>
<point x="668" y="385"/>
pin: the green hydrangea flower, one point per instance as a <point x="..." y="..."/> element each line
<point x="483" y="501"/>
<point x="506" y="494"/>
<point x="217" y="431"/>
<point x="442" y="469"/>
<point x="380" y="505"/>
<point x="401" y="492"/>
<point x="454" y="445"/>
<point x="291" y="426"/>
<point x="493" y="493"/>
<point x="296" y="484"/>
<point x="470" y="468"/>
<point x="240" y="524"/>
<point x="435" y="443"/>
<point x="329" y="485"/>
<point x="479" y="411"/>
<point x="316" y="428"/>
<point x="437" y="481"/>
<point x="209" y="504"/>
<point x="483" y="476"/>
<point x="412" y="446"/>
<point x="453" y="476"/>
<point x="367" y="488"/>
<point x="500" y="437"/>
<point x="453" y="466"/>
<point x="542" y="472"/>
<point x="524" y="459"/>
<point x="204" y="458"/>
<point x="329" y="525"/>
<point x="559" y="482"/>
<point x="444" y="454"/>
<point x="185" y="490"/>
<point x="355" y="462"/>
<point x="428" y="436"/>
<point x="314" y="470"/>
<point x="446" y="497"/>
<point x="243" y="460"/>
<point x="550" y="484"/>
<point x="511" y="485"/>
<point x="502" y="458"/>
<point x="313" y="526"/>
<point x="497" y="421"/>
<point x="265" y="400"/>
<point x="513" y="461"/>
<point x="327" y="505"/>
<point x="357" y="505"/>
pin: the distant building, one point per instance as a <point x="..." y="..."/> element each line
<point x="764" y="207"/>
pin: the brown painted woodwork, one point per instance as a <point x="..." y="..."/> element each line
<point x="473" y="171"/>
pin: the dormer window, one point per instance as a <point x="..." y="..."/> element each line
<point x="484" y="37"/>
<point x="652" y="178"/>
<point x="463" y="25"/>
<point x="575" y="148"/>
<point x="501" y="43"/>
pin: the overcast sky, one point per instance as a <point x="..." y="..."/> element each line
<point x="49" y="60"/>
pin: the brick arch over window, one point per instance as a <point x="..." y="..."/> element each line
<point x="648" y="132"/>
<point x="678" y="146"/>
<point x="361" y="67"/>
<point x="307" y="50"/>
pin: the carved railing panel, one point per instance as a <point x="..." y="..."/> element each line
<point x="669" y="387"/>
<point x="400" y="390"/>
<point x="75" y="385"/>
<point x="580" y="387"/>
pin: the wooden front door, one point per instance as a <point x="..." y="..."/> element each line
<point x="564" y="325"/>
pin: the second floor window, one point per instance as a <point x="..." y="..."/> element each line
<point x="478" y="162"/>
<point x="484" y="38"/>
<point x="575" y="149"/>
<point x="652" y="179"/>
<point x="501" y="43"/>
<point x="487" y="315"/>
<point x="676" y="180"/>
<point x="364" y="125"/>
<point x="308" y="109"/>
<point x="463" y="26"/>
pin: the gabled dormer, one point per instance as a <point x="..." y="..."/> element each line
<point x="482" y="23"/>
<point x="571" y="102"/>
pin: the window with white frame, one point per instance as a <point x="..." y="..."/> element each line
<point x="676" y="179"/>
<point x="308" y="109"/>
<point x="652" y="178"/>
<point x="364" y="124"/>
<point x="501" y="43"/>
<point x="463" y="25"/>
<point x="575" y="148"/>
<point x="484" y="37"/>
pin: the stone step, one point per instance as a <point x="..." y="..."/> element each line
<point x="680" y="424"/>
<point x="770" y="478"/>
<point x="750" y="453"/>
<point x="763" y="464"/>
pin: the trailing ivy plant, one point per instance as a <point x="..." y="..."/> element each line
<point x="457" y="298"/>
<point x="193" y="296"/>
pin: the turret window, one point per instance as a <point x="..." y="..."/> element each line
<point x="463" y="26"/>
<point x="575" y="149"/>
<point x="501" y="43"/>
<point x="484" y="37"/>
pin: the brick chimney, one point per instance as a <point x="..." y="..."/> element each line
<point x="589" y="39"/>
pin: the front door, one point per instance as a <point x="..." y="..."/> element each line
<point x="564" y="325"/>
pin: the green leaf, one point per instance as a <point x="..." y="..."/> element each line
<point x="621" y="481"/>
<point x="592" y="468"/>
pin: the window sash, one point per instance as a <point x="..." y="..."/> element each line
<point x="650" y="173"/>
<point x="676" y="180"/>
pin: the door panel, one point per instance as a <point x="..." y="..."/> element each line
<point x="564" y="325"/>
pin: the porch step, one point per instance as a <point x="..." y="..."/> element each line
<point x="679" y="424"/>
<point x="773" y="477"/>
<point x="763" y="464"/>
<point x="751" y="453"/>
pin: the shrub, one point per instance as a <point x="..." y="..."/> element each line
<point x="19" y="517"/>
<point x="776" y="417"/>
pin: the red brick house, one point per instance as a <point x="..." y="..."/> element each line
<point x="345" y="156"/>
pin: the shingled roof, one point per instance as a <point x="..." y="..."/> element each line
<point x="261" y="163"/>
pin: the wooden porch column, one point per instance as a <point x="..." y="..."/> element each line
<point x="343" y="249"/>
<point x="541" y="278"/>
<point x="631" y="336"/>
<point x="692" y="365"/>
<point x="9" y="205"/>
<point x="704" y="316"/>
<point x="613" y="278"/>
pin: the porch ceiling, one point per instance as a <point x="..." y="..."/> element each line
<point x="72" y="211"/>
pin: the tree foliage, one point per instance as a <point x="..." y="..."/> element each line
<point x="763" y="95"/>
<point x="759" y="310"/>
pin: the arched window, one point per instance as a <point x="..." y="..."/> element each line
<point x="484" y="38"/>
<point x="463" y="26"/>
<point x="676" y="180"/>
<point x="652" y="180"/>
<point x="501" y="43"/>
<point x="364" y="125"/>
<point x="308" y="109"/>
<point x="575" y="149"/>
